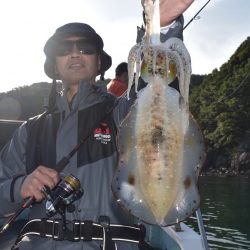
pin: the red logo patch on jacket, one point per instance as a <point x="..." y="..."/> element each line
<point x="102" y="133"/>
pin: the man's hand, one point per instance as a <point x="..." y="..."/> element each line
<point x="171" y="9"/>
<point x="33" y="184"/>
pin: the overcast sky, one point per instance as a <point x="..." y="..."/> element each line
<point x="25" y="26"/>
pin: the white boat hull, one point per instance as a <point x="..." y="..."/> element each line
<point x="172" y="239"/>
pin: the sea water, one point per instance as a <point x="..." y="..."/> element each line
<point x="225" y="207"/>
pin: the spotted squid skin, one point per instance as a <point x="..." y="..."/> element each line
<point x="159" y="144"/>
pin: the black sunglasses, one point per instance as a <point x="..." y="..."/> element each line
<point x="84" y="46"/>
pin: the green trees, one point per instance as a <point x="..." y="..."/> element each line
<point x="221" y="102"/>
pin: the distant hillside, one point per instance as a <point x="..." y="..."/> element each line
<point x="24" y="102"/>
<point x="27" y="101"/>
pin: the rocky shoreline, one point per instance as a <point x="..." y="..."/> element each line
<point x="235" y="162"/>
<point x="224" y="172"/>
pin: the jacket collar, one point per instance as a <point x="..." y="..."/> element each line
<point x="87" y="95"/>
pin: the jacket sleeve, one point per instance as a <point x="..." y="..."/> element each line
<point x="12" y="171"/>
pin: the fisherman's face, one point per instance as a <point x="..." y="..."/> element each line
<point x="77" y="59"/>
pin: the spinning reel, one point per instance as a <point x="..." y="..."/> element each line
<point x="63" y="195"/>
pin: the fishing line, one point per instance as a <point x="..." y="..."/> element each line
<point x="192" y="19"/>
<point x="236" y="89"/>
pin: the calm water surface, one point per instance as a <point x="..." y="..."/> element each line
<point x="225" y="207"/>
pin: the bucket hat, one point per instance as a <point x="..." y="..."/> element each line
<point x="73" y="29"/>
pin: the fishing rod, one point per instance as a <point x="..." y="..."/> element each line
<point x="192" y="19"/>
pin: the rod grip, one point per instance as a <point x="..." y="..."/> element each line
<point x="61" y="164"/>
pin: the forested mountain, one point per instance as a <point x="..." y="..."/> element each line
<point x="24" y="102"/>
<point x="220" y="102"/>
<point x="221" y="105"/>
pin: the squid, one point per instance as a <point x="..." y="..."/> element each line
<point x="161" y="148"/>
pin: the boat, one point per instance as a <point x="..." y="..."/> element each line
<point x="179" y="236"/>
<point x="176" y="237"/>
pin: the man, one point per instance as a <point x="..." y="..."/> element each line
<point x="119" y="84"/>
<point x="82" y="112"/>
